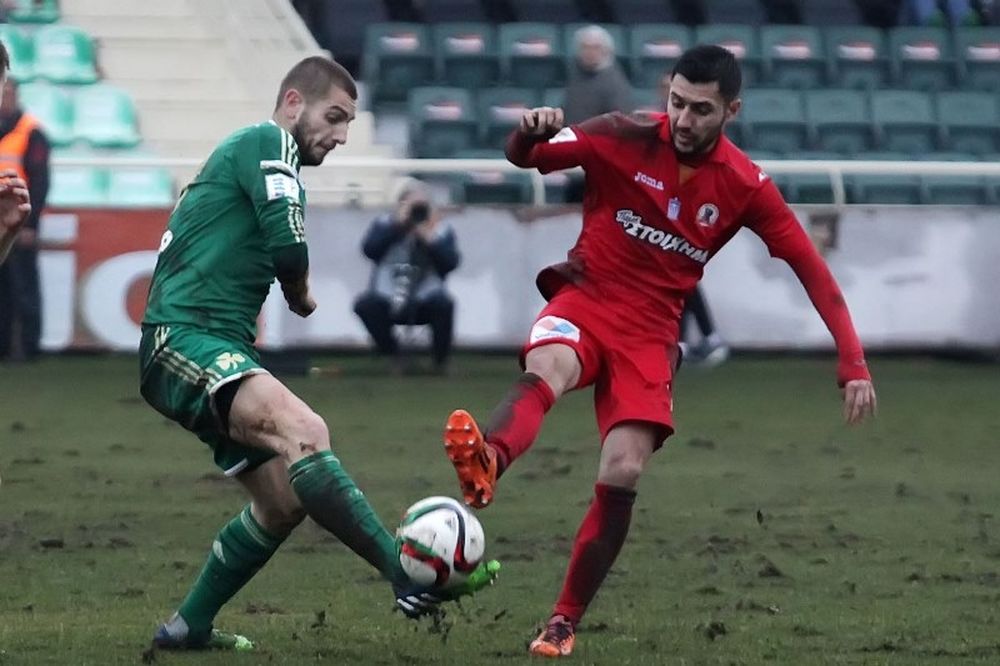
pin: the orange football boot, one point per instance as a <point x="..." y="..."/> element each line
<point x="475" y="461"/>
<point x="556" y="640"/>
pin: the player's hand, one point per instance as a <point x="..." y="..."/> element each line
<point x="859" y="400"/>
<point x="302" y="304"/>
<point x="15" y="204"/>
<point x="542" y="121"/>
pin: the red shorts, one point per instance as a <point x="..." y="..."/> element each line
<point x="631" y="375"/>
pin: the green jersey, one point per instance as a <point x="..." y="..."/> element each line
<point x="214" y="268"/>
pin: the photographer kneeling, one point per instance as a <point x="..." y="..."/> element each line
<point x="413" y="251"/>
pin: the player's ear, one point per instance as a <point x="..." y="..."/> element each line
<point x="293" y="102"/>
<point x="733" y="108"/>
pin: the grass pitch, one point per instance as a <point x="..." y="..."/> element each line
<point x="765" y="531"/>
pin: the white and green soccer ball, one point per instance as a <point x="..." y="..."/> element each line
<point x="440" y="542"/>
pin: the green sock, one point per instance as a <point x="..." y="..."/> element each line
<point x="239" y="551"/>
<point x="331" y="498"/>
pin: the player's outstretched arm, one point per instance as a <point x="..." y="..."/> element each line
<point x="542" y="141"/>
<point x="15" y="206"/>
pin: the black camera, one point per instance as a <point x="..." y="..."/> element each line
<point x="420" y="211"/>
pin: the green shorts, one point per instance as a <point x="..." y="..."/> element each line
<point x="181" y="369"/>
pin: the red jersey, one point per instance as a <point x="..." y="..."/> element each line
<point x="646" y="236"/>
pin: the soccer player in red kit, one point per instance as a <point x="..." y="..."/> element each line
<point x="664" y="193"/>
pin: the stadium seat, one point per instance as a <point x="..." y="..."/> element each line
<point x="883" y="188"/>
<point x="653" y="50"/>
<point x="741" y="40"/>
<point x="451" y="11"/>
<point x="856" y="56"/>
<point x="971" y="121"/>
<point x="618" y="35"/>
<point x="647" y="100"/>
<point x="554" y="97"/>
<point x="554" y="11"/>
<point x="35" y="11"/>
<point x="500" y="111"/>
<point x="742" y="12"/>
<point x="53" y="108"/>
<point x="64" y="54"/>
<point x="831" y="12"/>
<point x="841" y="120"/>
<point x="922" y="58"/>
<point x="810" y="188"/>
<point x="397" y="57"/>
<point x="105" y="117"/>
<point x="905" y="121"/>
<point x="21" y="52"/>
<point x="78" y="186"/>
<point x="793" y="56"/>
<point x="774" y="120"/>
<point x="141" y="188"/>
<point x="532" y="55"/>
<point x="978" y="49"/>
<point x="956" y="190"/>
<point x="637" y="13"/>
<point x="497" y="187"/>
<point x="467" y="53"/>
<point x="443" y="121"/>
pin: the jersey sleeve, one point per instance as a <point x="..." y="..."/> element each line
<point x="570" y="147"/>
<point x="769" y="217"/>
<point x="266" y="165"/>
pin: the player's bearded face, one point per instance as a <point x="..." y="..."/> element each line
<point x="697" y="115"/>
<point x="322" y="125"/>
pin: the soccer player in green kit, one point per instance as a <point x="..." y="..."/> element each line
<point x="237" y="227"/>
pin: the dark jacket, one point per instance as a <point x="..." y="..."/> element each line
<point x="590" y="94"/>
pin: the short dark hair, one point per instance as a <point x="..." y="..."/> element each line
<point x="706" y="63"/>
<point x="4" y="59"/>
<point x="314" y="76"/>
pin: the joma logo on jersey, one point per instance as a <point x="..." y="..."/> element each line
<point x="640" y="177"/>
<point x="633" y="226"/>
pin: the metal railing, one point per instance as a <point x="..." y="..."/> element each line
<point x="835" y="170"/>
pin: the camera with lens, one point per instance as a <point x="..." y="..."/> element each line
<point x="420" y="212"/>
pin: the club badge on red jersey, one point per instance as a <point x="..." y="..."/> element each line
<point x="673" y="209"/>
<point x="707" y="215"/>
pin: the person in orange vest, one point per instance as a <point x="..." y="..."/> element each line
<point x="24" y="150"/>
<point x="14" y="201"/>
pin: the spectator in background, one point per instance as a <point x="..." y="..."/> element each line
<point x="597" y="83"/>
<point x="413" y="251"/>
<point x="25" y="150"/>
<point x="944" y="12"/>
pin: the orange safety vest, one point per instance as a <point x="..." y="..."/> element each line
<point x="14" y="145"/>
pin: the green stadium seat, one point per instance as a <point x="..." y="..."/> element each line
<point x="857" y="57"/>
<point x="971" y="121"/>
<point x="653" y="50"/>
<point x="618" y="36"/>
<point x="793" y="56"/>
<point x="532" y="54"/>
<point x="956" y="190"/>
<point x="841" y="120"/>
<point x="741" y="40"/>
<point x="78" y="187"/>
<point x="554" y="97"/>
<point x="922" y="58"/>
<point x="52" y="107"/>
<point x="495" y="187"/>
<point x="810" y="188"/>
<point x="736" y="130"/>
<point x="467" y="53"/>
<point x="500" y="111"/>
<point x="35" y="11"/>
<point x="884" y="188"/>
<point x="21" y="50"/>
<point x="978" y="49"/>
<point x="141" y="188"/>
<point x="774" y="120"/>
<point x="397" y="57"/>
<point x="443" y="121"/>
<point x="64" y="54"/>
<point x="105" y="117"/>
<point x="905" y="121"/>
<point x="647" y="100"/>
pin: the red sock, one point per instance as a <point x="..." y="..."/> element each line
<point x="601" y="536"/>
<point x="515" y="422"/>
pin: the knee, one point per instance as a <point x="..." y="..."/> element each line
<point x="559" y="370"/>
<point x="306" y="433"/>
<point x="622" y="470"/>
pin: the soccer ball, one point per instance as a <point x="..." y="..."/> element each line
<point x="440" y="542"/>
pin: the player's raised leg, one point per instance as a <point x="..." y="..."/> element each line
<point x="550" y="371"/>
<point x="627" y="449"/>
